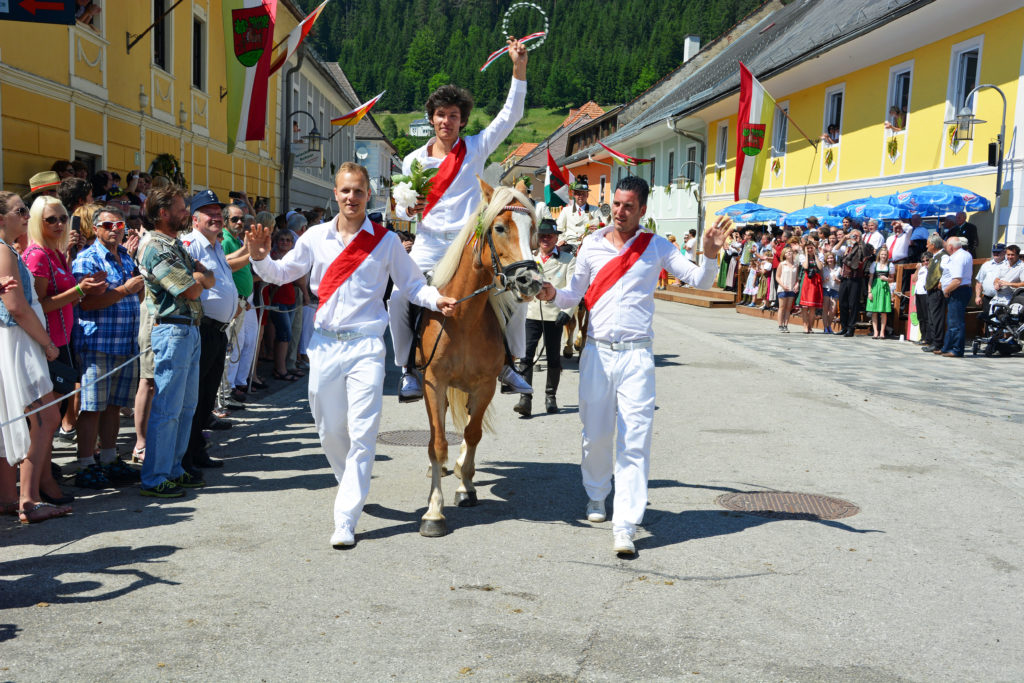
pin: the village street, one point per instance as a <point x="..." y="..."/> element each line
<point x="238" y="581"/>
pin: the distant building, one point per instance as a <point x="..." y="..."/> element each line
<point x="421" y="128"/>
<point x="517" y="153"/>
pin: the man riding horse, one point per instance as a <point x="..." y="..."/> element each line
<point x="453" y="197"/>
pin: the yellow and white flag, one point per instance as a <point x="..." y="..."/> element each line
<point x="754" y="134"/>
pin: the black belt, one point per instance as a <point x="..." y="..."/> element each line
<point x="216" y="324"/>
<point x="176" y="320"/>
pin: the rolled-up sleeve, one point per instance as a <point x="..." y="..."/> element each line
<point x="407" y="275"/>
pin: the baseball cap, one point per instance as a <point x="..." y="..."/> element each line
<point x="204" y="198"/>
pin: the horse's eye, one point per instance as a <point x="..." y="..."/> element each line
<point x="498" y="227"/>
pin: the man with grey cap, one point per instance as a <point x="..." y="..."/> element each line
<point x="984" y="285"/>
<point x="220" y="305"/>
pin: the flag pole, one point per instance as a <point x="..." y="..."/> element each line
<point x="814" y="143"/>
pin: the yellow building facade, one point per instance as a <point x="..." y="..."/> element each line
<point x="855" y="88"/>
<point x="71" y="92"/>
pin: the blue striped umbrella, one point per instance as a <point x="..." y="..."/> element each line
<point x="936" y="200"/>
<point x="742" y="207"/>
<point x="761" y="216"/>
<point x="799" y="217"/>
<point x="876" y="209"/>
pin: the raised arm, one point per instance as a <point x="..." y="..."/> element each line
<point x="498" y="129"/>
<point x="294" y="265"/>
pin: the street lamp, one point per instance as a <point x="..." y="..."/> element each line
<point x="314" y="141"/>
<point x="700" y="195"/>
<point x="965" y="122"/>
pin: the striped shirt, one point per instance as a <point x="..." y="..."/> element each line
<point x="113" y="330"/>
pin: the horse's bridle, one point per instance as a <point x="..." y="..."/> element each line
<point x="503" y="273"/>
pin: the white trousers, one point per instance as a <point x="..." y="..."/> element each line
<point x="617" y="395"/>
<point x="308" y="318"/>
<point x="402" y="334"/>
<point x="240" y="357"/>
<point x="346" y="385"/>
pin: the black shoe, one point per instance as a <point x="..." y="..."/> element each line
<point x="120" y="473"/>
<point x="165" y="489"/>
<point x="848" y="333"/>
<point x="928" y="348"/>
<point x="206" y="461"/>
<point x="524" y="407"/>
<point x="218" y="424"/>
<point x="190" y="480"/>
<point x="550" y="405"/>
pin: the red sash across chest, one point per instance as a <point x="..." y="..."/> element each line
<point x="350" y="258"/>
<point x="446" y="173"/>
<point x="615" y="269"/>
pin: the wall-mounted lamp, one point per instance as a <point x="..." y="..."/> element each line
<point x="143" y="99"/>
<point x="182" y="114"/>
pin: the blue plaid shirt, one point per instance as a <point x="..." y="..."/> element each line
<point x="113" y="330"/>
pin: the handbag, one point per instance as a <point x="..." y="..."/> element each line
<point x="63" y="375"/>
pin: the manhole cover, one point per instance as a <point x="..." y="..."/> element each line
<point x="415" y="437"/>
<point x="785" y="505"/>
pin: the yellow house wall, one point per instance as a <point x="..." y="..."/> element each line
<point x="52" y="101"/>
<point x="861" y="152"/>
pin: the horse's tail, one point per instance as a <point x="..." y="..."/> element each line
<point x="458" y="403"/>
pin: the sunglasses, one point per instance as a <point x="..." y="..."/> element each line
<point x="21" y="211"/>
<point x="53" y="220"/>
<point x="237" y="219"/>
<point x="110" y="225"/>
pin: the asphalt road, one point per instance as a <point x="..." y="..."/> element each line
<point x="238" y="581"/>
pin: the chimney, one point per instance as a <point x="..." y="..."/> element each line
<point x="691" y="46"/>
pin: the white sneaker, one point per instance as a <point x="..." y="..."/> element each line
<point x="595" y="511"/>
<point x="623" y="543"/>
<point x="514" y="381"/>
<point x="343" y="537"/>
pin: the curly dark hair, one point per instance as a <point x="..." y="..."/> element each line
<point x="74" y="192"/>
<point x="451" y="95"/>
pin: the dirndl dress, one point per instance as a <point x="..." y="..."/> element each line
<point x="26" y="379"/>
<point x="880" y="300"/>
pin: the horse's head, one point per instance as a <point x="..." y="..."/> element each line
<point x="509" y="236"/>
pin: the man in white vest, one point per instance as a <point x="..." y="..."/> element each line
<point x="617" y="269"/>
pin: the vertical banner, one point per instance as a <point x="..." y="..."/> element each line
<point x="249" y="36"/>
<point x="756" y="115"/>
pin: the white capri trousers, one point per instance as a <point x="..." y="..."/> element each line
<point x="617" y="410"/>
<point x="346" y="385"/>
<point x="241" y="355"/>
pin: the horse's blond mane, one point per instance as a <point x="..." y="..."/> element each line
<point x="445" y="269"/>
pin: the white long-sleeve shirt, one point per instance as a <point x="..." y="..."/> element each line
<point x="358" y="304"/>
<point x="626" y="311"/>
<point x="899" y="247"/>
<point x="454" y="209"/>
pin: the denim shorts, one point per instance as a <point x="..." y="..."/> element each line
<point x="787" y="295"/>
<point x="832" y="293"/>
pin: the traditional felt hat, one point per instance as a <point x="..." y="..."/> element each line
<point x="580" y="183"/>
<point x="548" y="227"/>
<point x="43" y="180"/>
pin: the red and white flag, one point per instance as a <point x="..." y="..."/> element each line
<point x="296" y="37"/>
<point x="357" y="114"/>
<point x="623" y="159"/>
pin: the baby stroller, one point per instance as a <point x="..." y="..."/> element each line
<point x="1005" y="325"/>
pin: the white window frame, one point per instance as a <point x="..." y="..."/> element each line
<point x="976" y="43"/>
<point x="198" y="15"/>
<point x="897" y="70"/>
<point x="722" y="145"/>
<point x="690" y="170"/>
<point x="826" y="118"/>
<point x="780" y="119"/>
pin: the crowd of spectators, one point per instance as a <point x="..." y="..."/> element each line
<point x="142" y="297"/>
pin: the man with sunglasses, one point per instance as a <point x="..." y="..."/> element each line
<point x="244" y="328"/>
<point x="105" y="337"/>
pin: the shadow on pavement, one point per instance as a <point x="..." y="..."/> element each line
<point x="40" y="580"/>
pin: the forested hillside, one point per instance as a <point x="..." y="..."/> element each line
<point x="603" y="50"/>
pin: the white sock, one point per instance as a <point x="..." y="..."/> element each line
<point x="107" y="455"/>
<point x="80" y="464"/>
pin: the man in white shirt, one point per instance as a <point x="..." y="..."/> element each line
<point x="872" y="237"/>
<point x="984" y="284"/>
<point x="617" y="269"/>
<point x="957" y="273"/>
<point x="1013" y="276"/>
<point x="348" y="261"/>
<point x="454" y="196"/>
<point x="898" y="246"/>
<point x="220" y="304"/>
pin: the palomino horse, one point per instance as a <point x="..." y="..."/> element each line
<point x="490" y="268"/>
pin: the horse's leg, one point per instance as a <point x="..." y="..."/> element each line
<point x="570" y="330"/>
<point x="432" y="523"/>
<point x="465" y="467"/>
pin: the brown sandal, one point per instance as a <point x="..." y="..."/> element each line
<point x="40" y="512"/>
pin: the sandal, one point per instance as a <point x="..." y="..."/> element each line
<point x="257" y="384"/>
<point x="40" y="512"/>
<point x="138" y="455"/>
<point x="288" y="377"/>
<point x="92" y="477"/>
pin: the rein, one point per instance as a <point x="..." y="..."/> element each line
<point x="499" y="273"/>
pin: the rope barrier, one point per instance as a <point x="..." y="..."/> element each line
<point x="78" y="390"/>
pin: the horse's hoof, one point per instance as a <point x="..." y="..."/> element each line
<point x="465" y="499"/>
<point x="433" y="528"/>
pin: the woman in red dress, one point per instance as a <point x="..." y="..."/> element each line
<point x="810" y="290"/>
